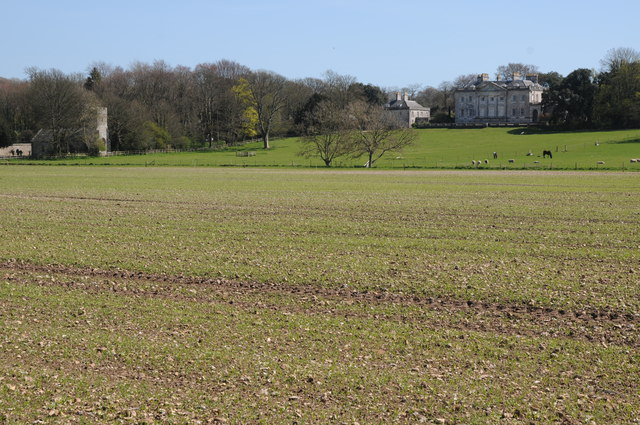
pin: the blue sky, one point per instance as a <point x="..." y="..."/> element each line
<point x="392" y="44"/>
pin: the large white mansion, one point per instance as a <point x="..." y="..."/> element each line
<point x="518" y="100"/>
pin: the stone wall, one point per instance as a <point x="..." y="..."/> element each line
<point x="24" y="147"/>
<point x="407" y="117"/>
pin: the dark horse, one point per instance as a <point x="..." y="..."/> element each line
<point x="545" y="153"/>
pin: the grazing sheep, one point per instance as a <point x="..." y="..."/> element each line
<point x="486" y="161"/>
<point x="511" y="161"/>
<point x="495" y="155"/>
<point x="600" y="162"/>
<point x="633" y="160"/>
<point x="473" y="162"/>
<point x="536" y="162"/>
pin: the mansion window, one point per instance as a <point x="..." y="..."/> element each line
<point x="522" y="112"/>
<point x="513" y="112"/>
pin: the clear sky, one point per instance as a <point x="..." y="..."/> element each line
<point x="392" y="44"/>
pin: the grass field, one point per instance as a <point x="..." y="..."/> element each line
<point x="435" y="148"/>
<point x="247" y="295"/>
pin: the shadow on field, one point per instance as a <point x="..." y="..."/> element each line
<point x="525" y="131"/>
<point x="619" y="142"/>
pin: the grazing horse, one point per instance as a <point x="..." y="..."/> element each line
<point x="545" y="153"/>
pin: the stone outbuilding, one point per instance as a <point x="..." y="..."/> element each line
<point x="407" y="111"/>
<point x="517" y="101"/>
<point x="76" y="141"/>
<point x="43" y="143"/>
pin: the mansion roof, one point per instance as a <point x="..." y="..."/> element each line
<point x="483" y="84"/>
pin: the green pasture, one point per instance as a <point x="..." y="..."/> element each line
<point x="456" y="148"/>
<point x="279" y="295"/>
<point x="435" y="148"/>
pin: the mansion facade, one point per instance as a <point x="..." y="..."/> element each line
<point x="516" y="101"/>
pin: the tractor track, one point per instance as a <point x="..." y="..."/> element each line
<point x="607" y="327"/>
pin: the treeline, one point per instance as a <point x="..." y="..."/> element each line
<point x="589" y="99"/>
<point x="155" y="106"/>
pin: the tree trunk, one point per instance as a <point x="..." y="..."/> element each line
<point x="265" y="140"/>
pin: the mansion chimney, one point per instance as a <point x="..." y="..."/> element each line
<point x="483" y="77"/>
<point x="532" y="77"/>
<point x="516" y="76"/>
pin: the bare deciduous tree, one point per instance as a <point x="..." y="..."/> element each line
<point x="615" y="58"/>
<point x="464" y="80"/>
<point x="337" y="87"/>
<point x="328" y="134"/>
<point x="266" y="93"/>
<point x="15" y="117"/>
<point x="506" y="71"/>
<point x="447" y="90"/>
<point x="412" y="89"/>
<point x="378" y="132"/>
<point x="429" y="96"/>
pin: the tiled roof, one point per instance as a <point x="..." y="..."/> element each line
<point x="405" y="104"/>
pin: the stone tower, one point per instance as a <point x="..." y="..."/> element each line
<point x="103" y="132"/>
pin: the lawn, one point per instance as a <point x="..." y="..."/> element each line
<point x="251" y="295"/>
<point x="434" y="148"/>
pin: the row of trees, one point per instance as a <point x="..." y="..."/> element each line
<point x="158" y="106"/>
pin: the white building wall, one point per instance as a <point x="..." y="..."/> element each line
<point x="497" y="105"/>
